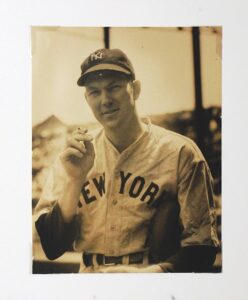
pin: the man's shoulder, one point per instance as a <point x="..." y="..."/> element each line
<point x="175" y="141"/>
<point x="164" y="135"/>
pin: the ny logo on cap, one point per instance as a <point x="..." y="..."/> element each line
<point x="96" y="55"/>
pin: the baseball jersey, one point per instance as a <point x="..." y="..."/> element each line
<point x="118" y="198"/>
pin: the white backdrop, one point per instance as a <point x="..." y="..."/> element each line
<point x="17" y="282"/>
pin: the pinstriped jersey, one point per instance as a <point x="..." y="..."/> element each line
<point x="118" y="198"/>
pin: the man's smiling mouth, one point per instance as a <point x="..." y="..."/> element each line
<point x="109" y="112"/>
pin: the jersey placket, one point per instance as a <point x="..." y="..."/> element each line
<point x="113" y="229"/>
<point x="112" y="220"/>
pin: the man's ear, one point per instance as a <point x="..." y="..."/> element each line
<point x="85" y="95"/>
<point x="136" y="89"/>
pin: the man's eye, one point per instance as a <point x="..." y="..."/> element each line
<point x="94" y="93"/>
<point x="114" y="87"/>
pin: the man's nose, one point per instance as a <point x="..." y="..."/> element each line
<point x="106" y="99"/>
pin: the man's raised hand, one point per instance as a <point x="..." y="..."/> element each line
<point x="78" y="158"/>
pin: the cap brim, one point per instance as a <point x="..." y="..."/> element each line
<point x="102" y="67"/>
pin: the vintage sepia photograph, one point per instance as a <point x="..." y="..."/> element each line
<point x="126" y="149"/>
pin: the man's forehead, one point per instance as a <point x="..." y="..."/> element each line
<point x="103" y="82"/>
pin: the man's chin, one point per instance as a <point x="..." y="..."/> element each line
<point x="110" y="123"/>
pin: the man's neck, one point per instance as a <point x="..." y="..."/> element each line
<point x="123" y="137"/>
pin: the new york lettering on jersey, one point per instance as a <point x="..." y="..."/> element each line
<point x="128" y="184"/>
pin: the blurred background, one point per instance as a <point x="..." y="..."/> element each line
<point x="180" y="73"/>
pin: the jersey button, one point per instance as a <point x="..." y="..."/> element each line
<point x="112" y="227"/>
<point x="114" y="202"/>
<point x="111" y="252"/>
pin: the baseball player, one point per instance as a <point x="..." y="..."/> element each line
<point x="131" y="197"/>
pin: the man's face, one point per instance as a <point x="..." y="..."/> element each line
<point x="112" y="100"/>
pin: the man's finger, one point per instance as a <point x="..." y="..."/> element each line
<point x="77" y="145"/>
<point x="71" y="152"/>
<point x="83" y="137"/>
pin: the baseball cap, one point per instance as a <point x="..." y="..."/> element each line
<point x="106" y="60"/>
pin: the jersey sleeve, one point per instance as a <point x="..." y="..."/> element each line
<point x="191" y="259"/>
<point x="52" y="189"/>
<point x="56" y="236"/>
<point x="195" y="196"/>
